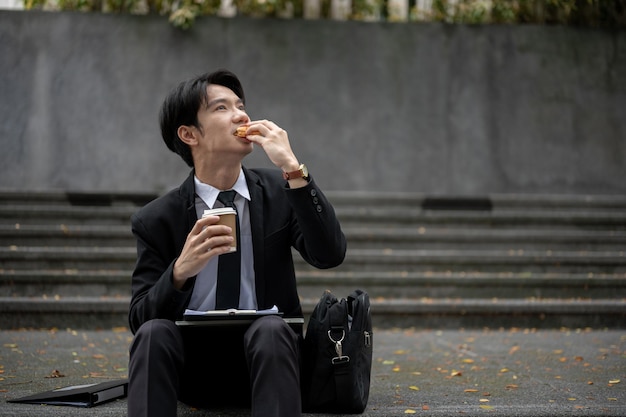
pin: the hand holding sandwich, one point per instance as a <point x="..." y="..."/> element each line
<point x="275" y="142"/>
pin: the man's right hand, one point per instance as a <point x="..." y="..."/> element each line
<point x="206" y="240"/>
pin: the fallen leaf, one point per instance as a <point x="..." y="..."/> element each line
<point x="513" y="350"/>
<point x="483" y="400"/>
<point x="614" y="381"/>
<point x="55" y="374"/>
<point x="409" y="411"/>
<point x="414" y="388"/>
<point x="486" y="407"/>
<point x="425" y="407"/>
<point x="470" y="390"/>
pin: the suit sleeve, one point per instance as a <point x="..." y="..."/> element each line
<point x="317" y="234"/>
<point x="153" y="294"/>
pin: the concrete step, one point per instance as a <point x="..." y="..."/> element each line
<point x="437" y="285"/>
<point x="470" y="261"/>
<point x="66" y="235"/>
<point x="311" y="284"/>
<point x="379" y="260"/>
<point x="348" y="215"/>
<point x="106" y="312"/>
<point x="435" y="237"/>
<point x="64" y="283"/>
<point x="553" y="211"/>
<point x="491" y="202"/>
<point x="68" y="198"/>
<point x="614" y="219"/>
<point x="73" y="258"/>
<point x="347" y="198"/>
<point x="62" y="214"/>
<point x="358" y="237"/>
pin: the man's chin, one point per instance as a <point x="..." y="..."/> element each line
<point x="249" y="148"/>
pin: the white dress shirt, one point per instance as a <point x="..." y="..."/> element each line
<point x="203" y="296"/>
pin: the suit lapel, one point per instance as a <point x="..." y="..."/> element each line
<point x="188" y="195"/>
<point x="256" y="225"/>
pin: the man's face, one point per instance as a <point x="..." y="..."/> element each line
<point x="219" y="119"/>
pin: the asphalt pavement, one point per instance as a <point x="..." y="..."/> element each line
<point x="485" y="372"/>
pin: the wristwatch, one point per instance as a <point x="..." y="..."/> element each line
<point x="301" y="172"/>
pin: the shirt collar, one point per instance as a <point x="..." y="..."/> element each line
<point x="208" y="193"/>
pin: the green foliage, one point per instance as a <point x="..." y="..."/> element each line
<point x="365" y="9"/>
<point x="503" y="11"/>
<point x="183" y="13"/>
<point x="596" y="13"/>
<point x="184" y="17"/>
<point x="266" y="8"/>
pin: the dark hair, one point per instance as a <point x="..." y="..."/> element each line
<point x="182" y="104"/>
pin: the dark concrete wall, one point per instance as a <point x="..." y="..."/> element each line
<point x="369" y="106"/>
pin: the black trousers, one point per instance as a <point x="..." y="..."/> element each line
<point x="256" y="366"/>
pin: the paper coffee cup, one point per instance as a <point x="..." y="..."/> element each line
<point x="228" y="217"/>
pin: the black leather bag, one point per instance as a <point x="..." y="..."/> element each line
<point x="337" y="355"/>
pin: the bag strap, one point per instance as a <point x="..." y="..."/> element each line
<point x="340" y="363"/>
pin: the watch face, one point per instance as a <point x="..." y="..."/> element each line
<point x="305" y="171"/>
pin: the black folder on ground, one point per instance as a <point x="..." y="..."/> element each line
<point x="87" y="395"/>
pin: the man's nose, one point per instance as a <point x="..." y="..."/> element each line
<point x="241" y="116"/>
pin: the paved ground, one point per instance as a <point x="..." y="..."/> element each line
<point x="507" y="372"/>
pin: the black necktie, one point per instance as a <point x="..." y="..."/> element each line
<point x="229" y="264"/>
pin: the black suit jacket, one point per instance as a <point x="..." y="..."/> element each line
<point x="280" y="218"/>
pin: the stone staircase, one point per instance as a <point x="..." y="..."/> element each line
<point x="442" y="262"/>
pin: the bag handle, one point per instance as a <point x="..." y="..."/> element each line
<point x="338" y="322"/>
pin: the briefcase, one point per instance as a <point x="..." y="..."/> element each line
<point x="337" y="355"/>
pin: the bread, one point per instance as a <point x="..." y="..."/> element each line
<point x="242" y="132"/>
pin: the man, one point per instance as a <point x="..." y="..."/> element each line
<point x="179" y="255"/>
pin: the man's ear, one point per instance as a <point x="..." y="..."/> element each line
<point x="188" y="134"/>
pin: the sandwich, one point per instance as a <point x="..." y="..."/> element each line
<point x="242" y="132"/>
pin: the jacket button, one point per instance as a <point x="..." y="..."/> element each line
<point x="313" y="192"/>
<point x="319" y="208"/>
<point x="315" y="200"/>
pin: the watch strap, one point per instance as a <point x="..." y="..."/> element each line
<point x="298" y="173"/>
